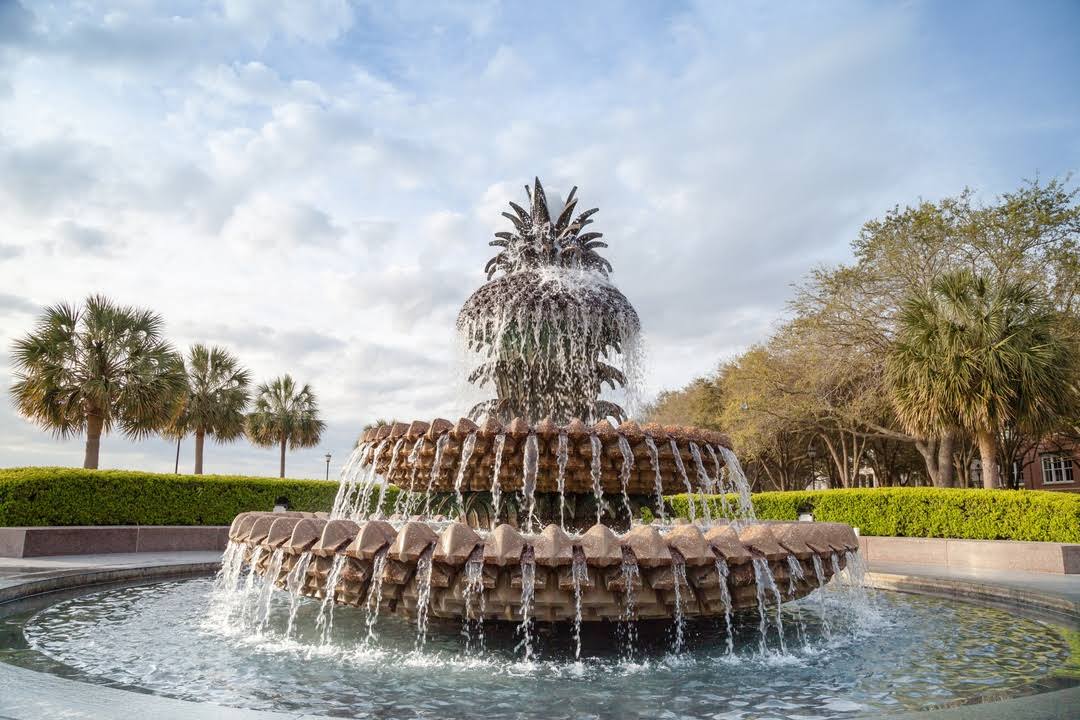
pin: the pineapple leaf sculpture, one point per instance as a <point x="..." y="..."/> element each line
<point x="548" y="324"/>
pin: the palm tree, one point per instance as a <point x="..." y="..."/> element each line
<point x="96" y="369"/>
<point x="284" y="414"/>
<point x="979" y="355"/>
<point x="214" y="401"/>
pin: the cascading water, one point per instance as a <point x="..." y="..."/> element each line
<point x="579" y="573"/>
<point x="467" y="449"/>
<point x="625" y="469"/>
<point x="654" y="460"/>
<point x="796" y="576"/>
<point x="273" y="571"/>
<point x="249" y="599"/>
<point x="496" y="482"/>
<point x="345" y="484"/>
<point x="423" y="596"/>
<point x="721" y="490"/>
<point x="766" y="583"/>
<point x="436" y="468"/>
<point x="819" y="573"/>
<point x="360" y="506"/>
<point x="562" y="456"/>
<point x="382" y="486"/>
<point x="528" y="480"/>
<point x="686" y="480"/>
<point x="374" y="595"/>
<point x="704" y="482"/>
<point x="628" y="622"/>
<point x="598" y="488"/>
<point x="232" y="564"/>
<point x="740" y="483"/>
<point x="678" y="573"/>
<point x="722" y="573"/>
<point x="294" y="583"/>
<point x="324" y="621"/>
<point x="528" y="591"/>
<point x="474" y="593"/>
<point x="414" y="469"/>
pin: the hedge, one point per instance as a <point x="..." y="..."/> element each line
<point x="1033" y="515"/>
<point x="68" y="496"/>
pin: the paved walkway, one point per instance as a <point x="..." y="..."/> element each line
<point x="29" y="695"/>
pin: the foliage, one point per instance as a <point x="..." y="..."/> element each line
<point x="819" y="383"/>
<point x="981" y="355"/>
<point x="1031" y="515"/>
<point x="214" y="400"/>
<point x="68" y="496"/>
<point x="95" y="369"/>
<point x="284" y="414"/>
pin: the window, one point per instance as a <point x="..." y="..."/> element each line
<point x="1057" y="469"/>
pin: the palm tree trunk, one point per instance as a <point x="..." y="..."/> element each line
<point x="988" y="457"/>
<point x="282" y="473"/>
<point x="176" y="468"/>
<point x="94" y="423"/>
<point x="200" y="438"/>
<point x="946" y="476"/>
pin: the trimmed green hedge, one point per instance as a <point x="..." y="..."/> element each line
<point x="69" y="496"/>
<point x="1034" y="515"/>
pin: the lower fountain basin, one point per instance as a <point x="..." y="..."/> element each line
<point x="880" y="653"/>
<point x="448" y="570"/>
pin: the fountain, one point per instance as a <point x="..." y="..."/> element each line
<point x="507" y="570"/>
<point x="544" y="480"/>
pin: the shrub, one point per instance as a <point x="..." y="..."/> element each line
<point x="69" y="496"/>
<point x="923" y="512"/>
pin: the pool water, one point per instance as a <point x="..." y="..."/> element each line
<point x="879" y="652"/>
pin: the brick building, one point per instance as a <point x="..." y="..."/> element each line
<point x="1054" y="465"/>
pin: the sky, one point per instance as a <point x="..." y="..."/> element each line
<point x="313" y="183"/>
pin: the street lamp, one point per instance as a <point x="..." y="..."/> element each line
<point x="327" y="466"/>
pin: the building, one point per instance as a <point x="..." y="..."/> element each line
<point x="1053" y="465"/>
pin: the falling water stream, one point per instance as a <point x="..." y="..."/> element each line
<point x="561" y="458"/>
<point x="598" y="487"/>
<point x="374" y="595"/>
<point x="722" y="573"/>
<point x="324" y="621"/>
<point x="528" y="589"/>
<point x="579" y="573"/>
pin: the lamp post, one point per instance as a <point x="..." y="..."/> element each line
<point x="812" y="454"/>
<point x="327" y="466"/>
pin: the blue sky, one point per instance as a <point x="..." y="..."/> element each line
<point x="313" y="184"/>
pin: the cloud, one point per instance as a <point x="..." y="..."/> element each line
<point x="14" y="304"/>
<point x="42" y="175"/>
<point x="314" y="184"/>
<point x="266" y="222"/>
<point x="312" y="21"/>
<point x="76" y="239"/>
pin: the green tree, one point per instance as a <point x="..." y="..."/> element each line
<point x="214" y="401"/>
<point x="94" y="370"/>
<point x="981" y="354"/>
<point x="284" y="415"/>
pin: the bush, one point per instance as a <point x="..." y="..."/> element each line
<point x="68" y="496"/>
<point x="1034" y="515"/>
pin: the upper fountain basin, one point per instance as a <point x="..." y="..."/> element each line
<point x="405" y="455"/>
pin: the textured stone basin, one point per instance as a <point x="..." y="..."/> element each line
<point x="653" y="560"/>
<point x="405" y="455"/>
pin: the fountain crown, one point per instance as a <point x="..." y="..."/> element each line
<point x="540" y="241"/>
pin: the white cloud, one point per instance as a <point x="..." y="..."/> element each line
<point x="314" y="183"/>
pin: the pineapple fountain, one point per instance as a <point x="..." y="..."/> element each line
<point x="543" y="481"/>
